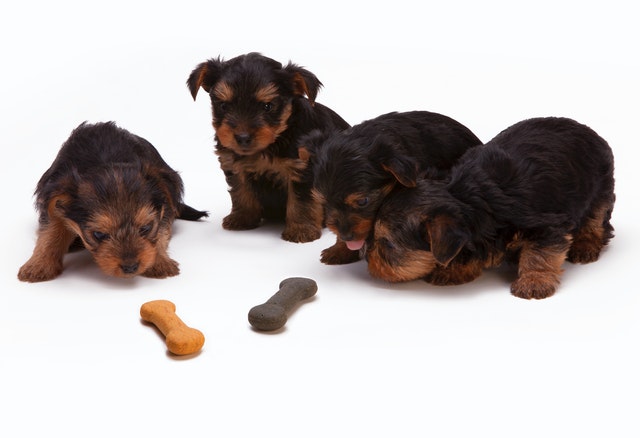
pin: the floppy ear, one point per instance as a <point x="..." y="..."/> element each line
<point x="205" y="75"/>
<point x="304" y="82"/>
<point x="404" y="169"/>
<point x="446" y="237"/>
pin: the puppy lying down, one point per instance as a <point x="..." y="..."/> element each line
<point x="541" y="192"/>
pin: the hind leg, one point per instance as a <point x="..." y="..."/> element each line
<point x="591" y="237"/>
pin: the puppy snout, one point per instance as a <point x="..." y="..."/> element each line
<point x="130" y="267"/>
<point x="243" y="139"/>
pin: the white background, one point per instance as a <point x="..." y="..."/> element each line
<point x="364" y="357"/>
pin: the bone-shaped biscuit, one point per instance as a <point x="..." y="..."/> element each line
<point x="179" y="338"/>
<point x="273" y="314"/>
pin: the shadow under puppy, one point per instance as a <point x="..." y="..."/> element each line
<point x="111" y="192"/>
<point x="541" y="192"/>
<point x="355" y="169"/>
<point x="260" y="112"/>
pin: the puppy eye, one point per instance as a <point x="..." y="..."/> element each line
<point x="267" y="107"/>
<point x="146" y="229"/>
<point x="362" y="202"/>
<point x="387" y="244"/>
<point x="100" y="236"/>
<point x="220" y="105"/>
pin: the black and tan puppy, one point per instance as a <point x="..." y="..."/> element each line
<point x="261" y="109"/>
<point x="355" y="169"/>
<point x="111" y="192"/>
<point x="541" y="192"/>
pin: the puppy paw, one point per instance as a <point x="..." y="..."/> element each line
<point x="584" y="252"/>
<point x="237" y="221"/>
<point x="163" y="269"/>
<point x="33" y="272"/>
<point x="339" y="254"/>
<point x="529" y="288"/>
<point x="301" y="233"/>
<point x="452" y="275"/>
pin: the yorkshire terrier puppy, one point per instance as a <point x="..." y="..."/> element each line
<point x="261" y="109"/>
<point x="355" y="169"/>
<point x="539" y="193"/>
<point x="111" y="192"/>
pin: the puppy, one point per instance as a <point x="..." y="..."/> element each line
<point x="261" y="109"/>
<point x="355" y="169"/>
<point x="541" y="192"/>
<point x="111" y="192"/>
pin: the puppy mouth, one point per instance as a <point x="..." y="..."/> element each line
<point x="354" y="245"/>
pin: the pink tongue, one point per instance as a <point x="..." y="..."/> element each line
<point x="355" y="245"/>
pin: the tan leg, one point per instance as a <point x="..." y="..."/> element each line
<point x="303" y="219"/>
<point x="54" y="239"/>
<point x="539" y="270"/>
<point x="339" y="254"/>
<point x="589" y="240"/>
<point x="164" y="266"/>
<point x="455" y="273"/>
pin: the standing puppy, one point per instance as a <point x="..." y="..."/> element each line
<point x="542" y="192"/>
<point x="357" y="168"/>
<point x="261" y="109"/>
<point x="111" y="192"/>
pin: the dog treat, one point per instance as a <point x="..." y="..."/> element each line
<point x="179" y="338"/>
<point x="273" y="314"/>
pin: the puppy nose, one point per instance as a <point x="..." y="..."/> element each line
<point x="130" y="268"/>
<point x="346" y="236"/>
<point x="243" y="139"/>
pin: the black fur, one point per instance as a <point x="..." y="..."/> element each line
<point x="355" y="169"/>
<point x="541" y="191"/>
<point x="261" y="109"/>
<point x="101" y="152"/>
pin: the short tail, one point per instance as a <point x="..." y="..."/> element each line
<point x="188" y="213"/>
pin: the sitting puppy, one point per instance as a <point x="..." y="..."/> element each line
<point x="357" y="168"/>
<point x="260" y="113"/>
<point x="111" y="192"/>
<point x="540" y="192"/>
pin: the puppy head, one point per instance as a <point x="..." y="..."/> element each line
<point x="414" y="232"/>
<point x="353" y="174"/>
<point x="251" y="98"/>
<point x="122" y="215"/>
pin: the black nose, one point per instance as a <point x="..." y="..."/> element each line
<point x="243" y="139"/>
<point x="129" y="268"/>
<point x="347" y="235"/>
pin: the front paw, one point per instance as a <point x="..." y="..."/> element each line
<point x="34" y="272"/>
<point x="453" y="275"/>
<point x="339" y="254"/>
<point x="239" y="221"/>
<point x="301" y="233"/>
<point x="163" y="268"/>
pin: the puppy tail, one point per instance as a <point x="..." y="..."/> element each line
<point x="188" y="213"/>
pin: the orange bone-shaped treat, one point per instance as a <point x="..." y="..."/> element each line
<point x="179" y="338"/>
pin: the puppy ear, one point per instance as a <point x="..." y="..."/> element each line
<point x="447" y="238"/>
<point x="304" y="82"/>
<point x="205" y="75"/>
<point x="404" y="169"/>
